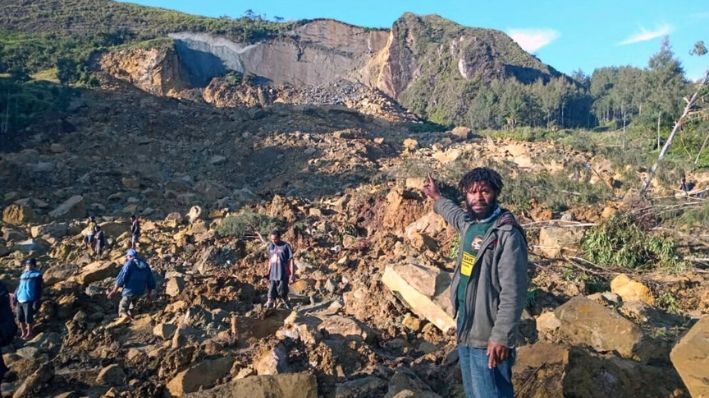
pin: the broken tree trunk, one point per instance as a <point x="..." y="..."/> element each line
<point x="675" y="129"/>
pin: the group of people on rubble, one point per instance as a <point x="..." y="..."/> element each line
<point x="488" y="288"/>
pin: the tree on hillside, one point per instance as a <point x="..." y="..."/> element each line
<point x="665" y="82"/>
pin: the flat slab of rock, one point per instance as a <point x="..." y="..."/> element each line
<point x="436" y="309"/>
<point x="691" y="358"/>
<point x="72" y="208"/>
<point x="205" y="374"/>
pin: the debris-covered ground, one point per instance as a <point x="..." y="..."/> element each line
<point x="369" y="317"/>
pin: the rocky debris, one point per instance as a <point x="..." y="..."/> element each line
<point x="630" y="290"/>
<point x="552" y="240"/>
<point x="31" y="386"/>
<point x="111" y="375"/>
<point x="165" y="330"/>
<point x="272" y="361"/>
<point x="691" y="358"/>
<point x="174" y="286"/>
<point x="31" y="246"/>
<point x="587" y="323"/>
<point x="346" y="327"/>
<point x="550" y="370"/>
<point x="296" y="385"/>
<point x="369" y="386"/>
<point x="72" y="208"/>
<point x="202" y="375"/>
<point x="435" y="309"/>
<point x="17" y="214"/>
<point x="462" y="132"/>
<point x="98" y="271"/>
<point x="53" y="230"/>
<point x="370" y="302"/>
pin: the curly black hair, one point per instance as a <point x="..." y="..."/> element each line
<point x="481" y="174"/>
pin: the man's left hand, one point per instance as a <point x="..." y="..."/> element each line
<point x="292" y="279"/>
<point x="496" y="354"/>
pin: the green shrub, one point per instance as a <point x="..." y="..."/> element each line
<point x="619" y="241"/>
<point x="247" y="222"/>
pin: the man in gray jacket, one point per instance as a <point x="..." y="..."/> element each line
<point x="489" y="286"/>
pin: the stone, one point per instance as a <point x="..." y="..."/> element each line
<point x="165" y="330"/>
<point x="16" y="214"/>
<point x="194" y="214"/>
<point x="53" y="230"/>
<point x="405" y="383"/>
<point x="202" y="375"/>
<point x="115" y="228"/>
<point x="294" y="385"/>
<point x="461" y="132"/>
<point x="369" y="386"/>
<point x="428" y="280"/>
<point x="300" y="327"/>
<point x="28" y="352"/>
<point x="98" y="271"/>
<point x="630" y="290"/>
<point x="422" y="242"/>
<point x="608" y="212"/>
<point x="552" y="240"/>
<point x="173" y="219"/>
<point x="410" y="144"/>
<point x="587" y="323"/>
<point x="348" y="328"/>
<point x="547" y="322"/>
<point x="436" y="309"/>
<point x="448" y="156"/>
<point x="690" y="356"/>
<point x="35" y="382"/>
<point x="34" y="246"/>
<point x="415" y="183"/>
<point x="72" y="208"/>
<point x="411" y="322"/>
<point x="272" y="362"/>
<point x="111" y="375"/>
<point x="430" y="224"/>
<point x="130" y="182"/>
<point x="550" y="370"/>
<point x="174" y="286"/>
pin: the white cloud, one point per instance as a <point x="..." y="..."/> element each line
<point x="532" y="40"/>
<point x="645" y="35"/>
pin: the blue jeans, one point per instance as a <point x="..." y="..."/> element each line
<point x="481" y="382"/>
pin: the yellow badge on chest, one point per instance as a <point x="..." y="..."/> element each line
<point x="466" y="266"/>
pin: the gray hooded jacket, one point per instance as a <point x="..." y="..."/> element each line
<point x="497" y="290"/>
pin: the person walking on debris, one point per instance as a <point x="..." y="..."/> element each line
<point x="134" y="279"/>
<point x="89" y="237"/>
<point x="489" y="286"/>
<point x="99" y="241"/>
<point x="27" y="296"/>
<point x="134" y="230"/>
<point x="281" y="268"/>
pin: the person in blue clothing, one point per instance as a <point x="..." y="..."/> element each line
<point x="28" y="295"/>
<point x="281" y="269"/>
<point x="134" y="279"/>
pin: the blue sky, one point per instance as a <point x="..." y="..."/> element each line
<point x="567" y="35"/>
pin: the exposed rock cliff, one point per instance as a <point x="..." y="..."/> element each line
<point x="428" y="64"/>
